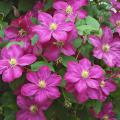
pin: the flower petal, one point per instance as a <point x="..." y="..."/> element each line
<point x="92" y="83"/>
<point x="81" y="86"/>
<point x="59" y="35"/>
<point x="29" y="89"/>
<point x="26" y="60"/>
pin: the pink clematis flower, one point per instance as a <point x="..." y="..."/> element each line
<point x="115" y="20"/>
<point x="12" y="61"/>
<point x="84" y="77"/>
<point x="55" y="27"/>
<point x="30" y="110"/>
<point x="106" y="48"/>
<point x="115" y="4"/>
<point x="43" y="85"/>
<point x="106" y="87"/>
<point x="20" y="29"/>
<point x="107" y="112"/>
<point x="55" y="48"/>
<point x="71" y="9"/>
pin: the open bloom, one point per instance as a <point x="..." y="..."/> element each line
<point x="53" y="49"/>
<point x="107" y="112"/>
<point x="106" y="48"/>
<point x="12" y="61"/>
<point x="19" y="29"/>
<point x="115" y="20"/>
<point x="43" y="86"/>
<point x="84" y="77"/>
<point x="106" y="87"/>
<point x="30" y="110"/>
<point x="115" y="4"/>
<point x="55" y="27"/>
<point x="71" y="9"/>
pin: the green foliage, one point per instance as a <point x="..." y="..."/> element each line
<point x="35" y="66"/>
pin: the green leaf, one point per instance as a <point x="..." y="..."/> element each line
<point x="66" y="59"/>
<point x="34" y="39"/>
<point x="77" y="43"/>
<point x="92" y="22"/>
<point x="16" y="43"/>
<point x="48" y="5"/>
<point x="1" y="33"/>
<point x="25" y="5"/>
<point x="35" y="66"/>
<point x="97" y="106"/>
<point x="5" y="7"/>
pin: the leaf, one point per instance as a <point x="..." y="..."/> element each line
<point x="35" y="66"/>
<point x="25" y="5"/>
<point x="77" y="43"/>
<point x="97" y="106"/>
<point x="16" y="43"/>
<point x="66" y="59"/>
<point x="5" y="7"/>
<point x="34" y="39"/>
<point x="92" y="22"/>
<point x="48" y="5"/>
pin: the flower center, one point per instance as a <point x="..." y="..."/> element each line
<point x="85" y="74"/>
<point x="106" y="47"/>
<point x="22" y="32"/>
<point x="102" y="84"/>
<point x="53" y="26"/>
<point x="106" y="117"/>
<point x="118" y="23"/>
<point x="69" y="9"/>
<point x="59" y="44"/>
<point x="33" y="108"/>
<point x="42" y="84"/>
<point x="13" y="61"/>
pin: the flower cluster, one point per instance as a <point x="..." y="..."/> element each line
<point x="85" y="77"/>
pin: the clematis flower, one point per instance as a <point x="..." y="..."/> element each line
<point x="84" y="77"/>
<point x="71" y="9"/>
<point x="53" y="49"/>
<point x="115" y="4"/>
<point x="43" y="85"/>
<point x="106" y="87"/>
<point x="30" y="110"/>
<point x="55" y="27"/>
<point x="115" y="20"/>
<point x="106" y="48"/>
<point x="107" y="112"/>
<point x="12" y="61"/>
<point x="19" y="29"/>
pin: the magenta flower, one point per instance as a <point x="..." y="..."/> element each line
<point x="30" y="110"/>
<point x="12" y="61"/>
<point x="43" y="85"/>
<point x="106" y="87"/>
<point x="84" y="77"/>
<point x="55" y="27"/>
<point x="115" y="20"/>
<point x="106" y="48"/>
<point x="20" y="29"/>
<point x="71" y="9"/>
<point x="53" y="49"/>
<point x="107" y="112"/>
<point x="115" y="4"/>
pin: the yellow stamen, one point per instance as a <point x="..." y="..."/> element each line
<point x="33" y="108"/>
<point x="69" y="9"/>
<point x="22" y="32"/>
<point x="85" y="74"/>
<point x="42" y="84"/>
<point x="106" y="117"/>
<point x="53" y="26"/>
<point x="106" y="47"/>
<point x="102" y="84"/>
<point x="13" y="61"/>
<point x="118" y="23"/>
